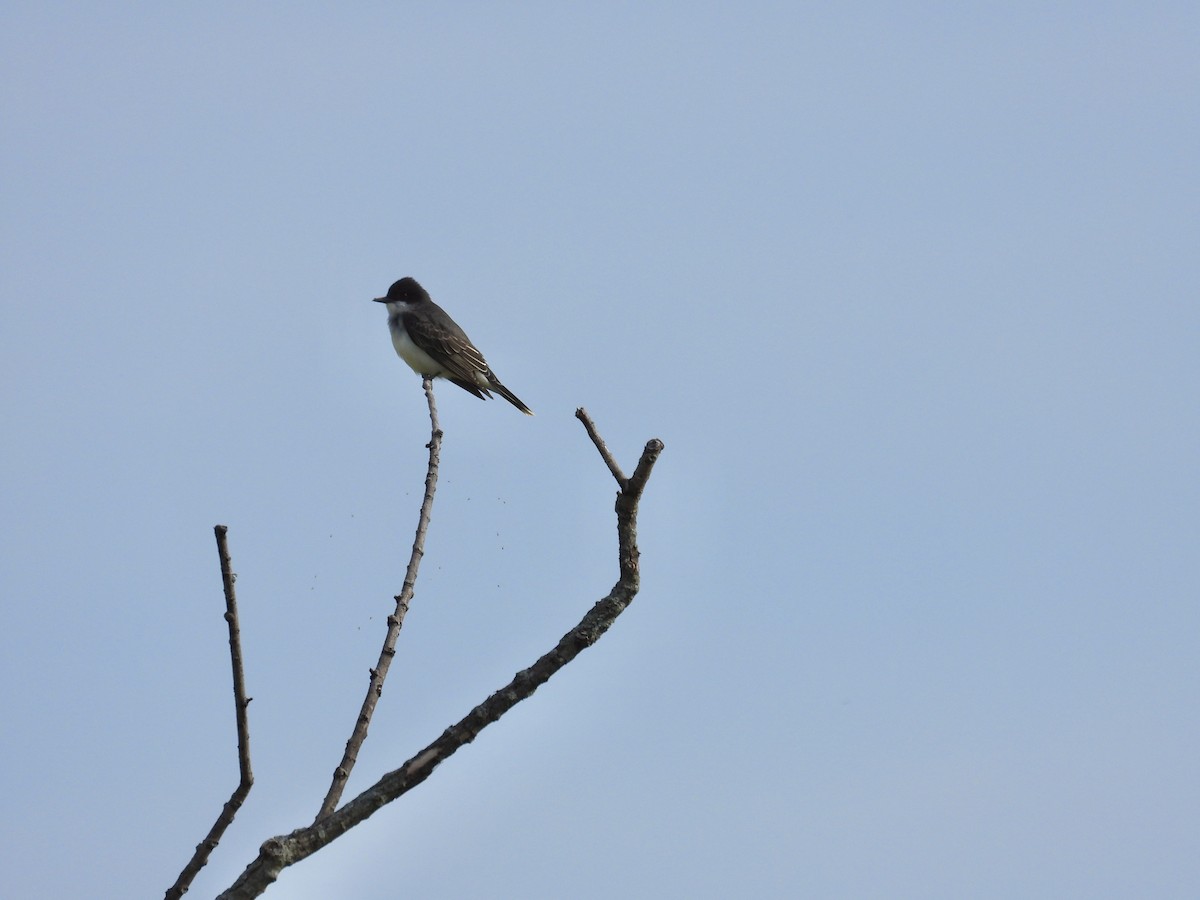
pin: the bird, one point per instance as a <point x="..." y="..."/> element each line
<point x="435" y="346"/>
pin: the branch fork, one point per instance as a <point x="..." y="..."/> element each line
<point x="332" y="821"/>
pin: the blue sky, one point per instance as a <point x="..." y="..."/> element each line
<point x="909" y="293"/>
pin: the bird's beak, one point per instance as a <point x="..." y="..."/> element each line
<point x="380" y="299"/>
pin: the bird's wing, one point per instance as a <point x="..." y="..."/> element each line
<point x="450" y="346"/>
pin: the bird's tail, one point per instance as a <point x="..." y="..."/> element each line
<point x="510" y="396"/>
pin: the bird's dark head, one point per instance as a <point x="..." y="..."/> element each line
<point x="406" y="290"/>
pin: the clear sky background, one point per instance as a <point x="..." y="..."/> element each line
<point x="910" y="292"/>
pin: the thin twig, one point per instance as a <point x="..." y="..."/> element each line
<point x="582" y="416"/>
<point x="395" y="621"/>
<point x="280" y="852"/>
<point x="240" y="701"/>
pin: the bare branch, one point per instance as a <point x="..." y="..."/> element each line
<point x="395" y="621"/>
<point x="240" y="701"/>
<point x="582" y="416"/>
<point x="278" y="853"/>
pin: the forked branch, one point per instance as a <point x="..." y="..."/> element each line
<point x="278" y="853"/>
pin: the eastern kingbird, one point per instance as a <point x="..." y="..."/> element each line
<point x="432" y="343"/>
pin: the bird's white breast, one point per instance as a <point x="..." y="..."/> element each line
<point x="420" y="361"/>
